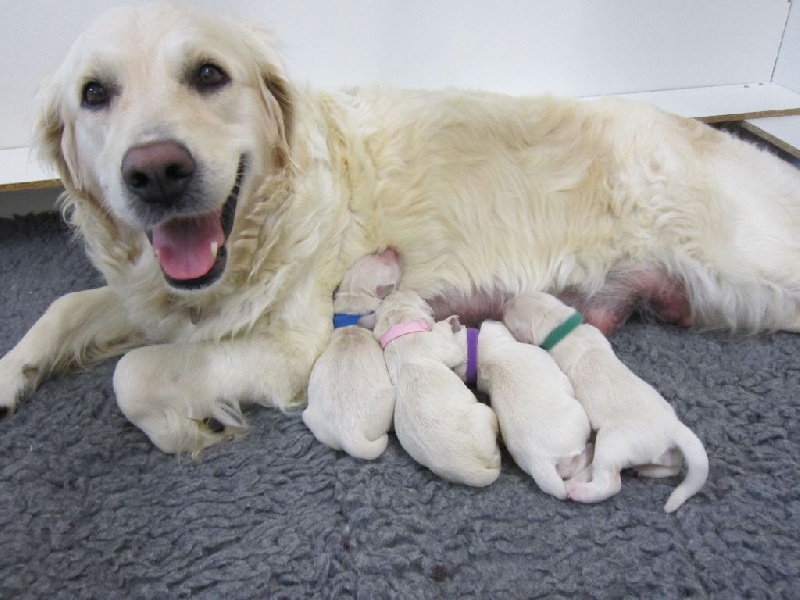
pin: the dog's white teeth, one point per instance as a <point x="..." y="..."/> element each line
<point x="214" y="249"/>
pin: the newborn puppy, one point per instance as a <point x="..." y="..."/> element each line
<point x="350" y="396"/>
<point x="544" y="427"/>
<point x="635" y="425"/>
<point x="437" y="419"/>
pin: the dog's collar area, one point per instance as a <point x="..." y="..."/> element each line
<point x="562" y="331"/>
<point x="396" y="331"/>
<point x="226" y="218"/>
<point x="471" y="377"/>
<point x="341" y="320"/>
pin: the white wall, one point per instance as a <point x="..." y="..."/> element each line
<point x="571" y="47"/>
<point x="787" y="69"/>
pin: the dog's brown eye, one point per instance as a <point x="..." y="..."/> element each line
<point x="95" y="95"/>
<point x="210" y="77"/>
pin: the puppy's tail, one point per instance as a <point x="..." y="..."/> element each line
<point x="694" y="454"/>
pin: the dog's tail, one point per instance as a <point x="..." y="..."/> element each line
<point x="696" y="459"/>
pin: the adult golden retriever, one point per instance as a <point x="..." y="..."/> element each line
<point x="223" y="203"/>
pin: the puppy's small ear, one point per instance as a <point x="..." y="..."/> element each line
<point x="455" y="324"/>
<point x="384" y="290"/>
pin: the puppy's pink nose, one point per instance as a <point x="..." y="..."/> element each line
<point x="159" y="172"/>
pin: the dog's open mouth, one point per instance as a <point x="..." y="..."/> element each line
<point x="191" y="250"/>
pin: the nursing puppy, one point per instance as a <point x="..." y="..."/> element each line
<point x="438" y="421"/>
<point x="350" y="395"/>
<point x="222" y="203"/>
<point x="542" y="424"/>
<point x="635" y="425"/>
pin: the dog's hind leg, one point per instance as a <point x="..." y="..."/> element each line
<point x="667" y="465"/>
<point x="569" y="468"/>
<point x="546" y="476"/>
<point x="750" y="279"/>
<point x="610" y="454"/>
<point x="603" y="485"/>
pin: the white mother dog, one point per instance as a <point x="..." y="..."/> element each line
<point x="223" y="204"/>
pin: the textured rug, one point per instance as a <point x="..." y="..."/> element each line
<point x="90" y="509"/>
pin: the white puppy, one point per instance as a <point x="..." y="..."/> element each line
<point x="437" y="419"/>
<point x="544" y="427"/>
<point x="636" y="426"/>
<point x="350" y="396"/>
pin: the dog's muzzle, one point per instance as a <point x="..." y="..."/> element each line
<point x="191" y="250"/>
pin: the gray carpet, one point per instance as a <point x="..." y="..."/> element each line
<point x="89" y="509"/>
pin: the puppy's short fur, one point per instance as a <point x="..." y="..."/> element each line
<point x="350" y="395"/>
<point x="438" y="421"/>
<point x="635" y="425"/>
<point x="542" y="424"/>
<point x="224" y="276"/>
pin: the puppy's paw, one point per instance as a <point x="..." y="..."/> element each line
<point x="360" y="447"/>
<point x="569" y="468"/>
<point x="481" y="448"/>
<point x="593" y="491"/>
<point x="322" y="425"/>
<point x="576" y="490"/>
<point x="483" y="430"/>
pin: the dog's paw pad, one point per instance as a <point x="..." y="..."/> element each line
<point x="213" y="425"/>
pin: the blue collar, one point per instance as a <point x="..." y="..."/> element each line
<point x="346" y="320"/>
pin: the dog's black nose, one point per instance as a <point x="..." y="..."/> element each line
<point x="159" y="172"/>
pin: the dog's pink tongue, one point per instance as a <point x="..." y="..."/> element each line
<point x="183" y="246"/>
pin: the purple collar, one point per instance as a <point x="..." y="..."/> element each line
<point x="472" y="356"/>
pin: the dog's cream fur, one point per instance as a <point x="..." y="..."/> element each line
<point x="635" y="425"/>
<point x="350" y="395"/>
<point x="438" y="421"/>
<point x="542" y="424"/>
<point x="476" y="191"/>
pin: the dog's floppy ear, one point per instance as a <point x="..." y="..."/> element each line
<point x="53" y="137"/>
<point x="275" y="87"/>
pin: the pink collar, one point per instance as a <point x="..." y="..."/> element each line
<point x="394" y="332"/>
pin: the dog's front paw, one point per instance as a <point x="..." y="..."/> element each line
<point x="17" y="382"/>
<point x="175" y="418"/>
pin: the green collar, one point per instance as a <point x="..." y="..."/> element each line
<point x="562" y="331"/>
